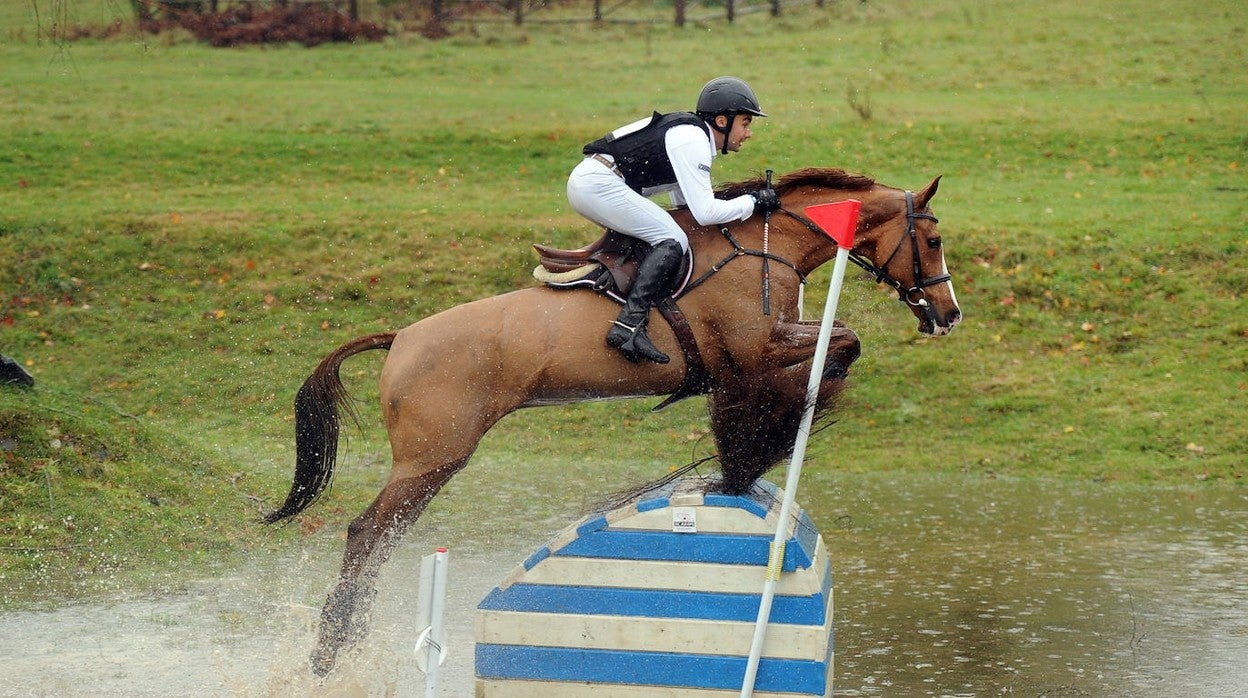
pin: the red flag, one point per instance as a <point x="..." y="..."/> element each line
<point x="838" y="219"/>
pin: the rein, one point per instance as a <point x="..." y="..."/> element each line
<point x="739" y="251"/>
<point x="765" y="254"/>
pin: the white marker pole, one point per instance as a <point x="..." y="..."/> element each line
<point x="841" y="217"/>
<point x="431" y="645"/>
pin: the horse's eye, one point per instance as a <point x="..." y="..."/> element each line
<point x="934" y="243"/>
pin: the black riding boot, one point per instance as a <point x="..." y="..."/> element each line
<point x="656" y="279"/>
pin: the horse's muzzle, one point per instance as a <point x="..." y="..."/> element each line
<point x="931" y="324"/>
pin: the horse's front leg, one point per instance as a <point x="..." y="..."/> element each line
<point x="792" y="343"/>
<point x="371" y="538"/>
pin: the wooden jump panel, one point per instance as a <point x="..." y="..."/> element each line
<point x="659" y="598"/>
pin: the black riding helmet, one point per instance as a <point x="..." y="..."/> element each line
<point x="728" y="96"/>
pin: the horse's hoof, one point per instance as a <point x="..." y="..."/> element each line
<point x="835" y="370"/>
<point x="344" y="622"/>
<point x="322" y="661"/>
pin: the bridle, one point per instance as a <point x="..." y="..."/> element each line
<point x="915" y="295"/>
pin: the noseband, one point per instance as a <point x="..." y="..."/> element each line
<point x="913" y="295"/>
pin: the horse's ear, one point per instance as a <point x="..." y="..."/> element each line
<point x="928" y="192"/>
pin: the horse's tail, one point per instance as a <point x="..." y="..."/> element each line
<point x="317" y="421"/>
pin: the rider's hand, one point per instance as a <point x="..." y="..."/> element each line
<point x="766" y="199"/>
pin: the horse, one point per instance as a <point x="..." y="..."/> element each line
<point x="448" y="378"/>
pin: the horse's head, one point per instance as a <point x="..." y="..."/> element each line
<point x="896" y="240"/>
<point x="899" y="244"/>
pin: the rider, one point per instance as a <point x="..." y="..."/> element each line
<point x="664" y="153"/>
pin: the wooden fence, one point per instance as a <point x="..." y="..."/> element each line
<point x="148" y="9"/>
<point x="596" y="11"/>
<point x="660" y="597"/>
<point x="519" y="12"/>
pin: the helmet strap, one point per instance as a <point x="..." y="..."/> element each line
<point x="726" y="129"/>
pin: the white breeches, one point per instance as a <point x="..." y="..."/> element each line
<point x="597" y="193"/>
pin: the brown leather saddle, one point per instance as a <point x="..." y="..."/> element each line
<point x="608" y="266"/>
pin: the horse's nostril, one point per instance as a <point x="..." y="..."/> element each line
<point x="954" y="317"/>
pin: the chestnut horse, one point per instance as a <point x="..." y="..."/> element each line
<point x="450" y="377"/>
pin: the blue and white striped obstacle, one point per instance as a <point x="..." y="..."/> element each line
<point x="659" y="599"/>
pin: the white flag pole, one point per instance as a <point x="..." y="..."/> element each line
<point x="431" y="644"/>
<point x="846" y="213"/>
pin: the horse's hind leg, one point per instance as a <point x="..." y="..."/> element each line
<point x="438" y="399"/>
<point x="371" y="538"/>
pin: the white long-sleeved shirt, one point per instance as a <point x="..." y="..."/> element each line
<point x="691" y="150"/>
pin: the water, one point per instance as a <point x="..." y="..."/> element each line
<point x="951" y="586"/>
<point x="248" y="634"/>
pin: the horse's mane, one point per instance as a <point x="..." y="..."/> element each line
<point x="829" y="177"/>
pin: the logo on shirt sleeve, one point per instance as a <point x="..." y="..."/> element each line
<point x="704" y="167"/>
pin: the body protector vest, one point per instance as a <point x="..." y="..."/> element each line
<point x="639" y="151"/>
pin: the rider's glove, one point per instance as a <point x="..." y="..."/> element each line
<point x="766" y="199"/>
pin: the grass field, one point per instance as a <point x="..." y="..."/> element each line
<point x="186" y="231"/>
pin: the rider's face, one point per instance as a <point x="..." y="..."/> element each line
<point x="740" y="130"/>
